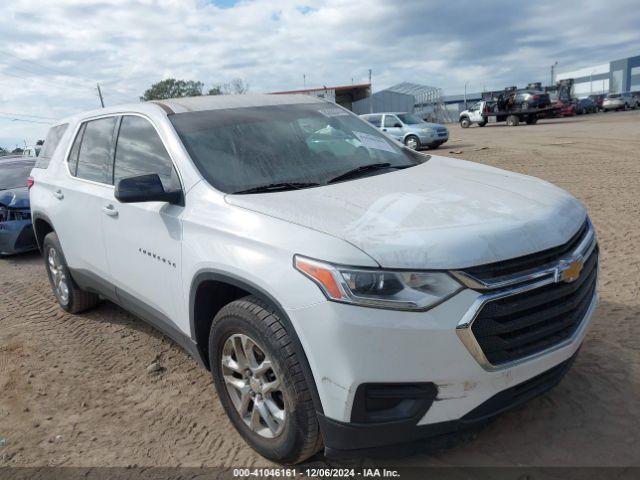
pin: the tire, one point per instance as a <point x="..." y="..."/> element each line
<point x="412" y="142"/>
<point x="513" y="121"/>
<point x="532" y="120"/>
<point x="297" y="436"/>
<point x="465" y="122"/>
<point x="482" y="124"/>
<point x="69" y="296"/>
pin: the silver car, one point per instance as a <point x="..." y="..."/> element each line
<point x="409" y="129"/>
<point x="619" y="101"/>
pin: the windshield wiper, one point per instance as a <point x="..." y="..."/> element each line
<point x="364" y="169"/>
<point x="274" y="187"/>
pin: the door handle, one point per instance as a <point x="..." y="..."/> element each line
<point x="384" y="129"/>
<point x="110" y="210"/>
<point x="58" y="194"/>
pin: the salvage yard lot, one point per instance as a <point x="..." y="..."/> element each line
<point x="104" y="389"/>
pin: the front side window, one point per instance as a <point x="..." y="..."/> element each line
<point x="50" y="144"/>
<point x="297" y="145"/>
<point x="410" y="119"/>
<point x="95" y="152"/>
<point x="140" y="151"/>
<point x="391" y="121"/>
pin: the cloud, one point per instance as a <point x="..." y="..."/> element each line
<point x="53" y="53"/>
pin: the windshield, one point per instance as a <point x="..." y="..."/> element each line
<point x="14" y="175"/>
<point x="245" y="148"/>
<point x="409" y="119"/>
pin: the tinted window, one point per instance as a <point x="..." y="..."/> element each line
<point x="50" y="145"/>
<point x="72" y="159"/>
<point x="95" y="157"/>
<point x="243" y="148"/>
<point x="140" y="150"/>
<point x="375" y="120"/>
<point x="14" y="175"/>
<point x="390" y="120"/>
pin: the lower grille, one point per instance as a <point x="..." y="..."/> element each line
<point x="521" y="393"/>
<point x="511" y="328"/>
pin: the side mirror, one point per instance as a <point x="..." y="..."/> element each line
<point x="145" y="188"/>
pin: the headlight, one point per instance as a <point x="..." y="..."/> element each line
<point x="429" y="130"/>
<point x="397" y="290"/>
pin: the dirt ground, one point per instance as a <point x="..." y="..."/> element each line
<point x="75" y="390"/>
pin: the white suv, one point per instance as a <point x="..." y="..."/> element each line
<point x="343" y="290"/>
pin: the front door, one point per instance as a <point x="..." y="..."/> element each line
<point x="393" y="127"/>
<point x="144" y="240"/>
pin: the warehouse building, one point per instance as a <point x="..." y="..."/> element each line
<point x="344" y="95"/>
<point x="613" y="77"/>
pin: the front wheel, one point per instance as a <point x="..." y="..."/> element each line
<point x="465" y="122"/>
<point x="70" y="297"/>
<point x="412" y="142"/>
<point x="260" y="382"/>
<point x="513" y="121"/>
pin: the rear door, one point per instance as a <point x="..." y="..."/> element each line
<point x="80" y="194"/>
<point x="143" y="240"/>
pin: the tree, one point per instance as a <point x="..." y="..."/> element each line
<point x="215" y="90"/>
<point x="40" y="142"/>
<point x="236" y="87"/>
<point x="172" y="88"/>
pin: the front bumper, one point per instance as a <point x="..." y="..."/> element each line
<point x="433" y="139"/>
<point x="348" y="346"/>
<point x="612" y="105"/>
<point x="16" y="236"/>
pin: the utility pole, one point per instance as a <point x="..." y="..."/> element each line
<point x="100" y="95"/>
<point x="552" y="68"/>
<point x="371" y="94"/>
<point x="465" y="95"/>
<point x="304" y="80"/>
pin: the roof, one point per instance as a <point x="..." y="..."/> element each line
<point x="219" y="102"/>
<point x="339" y="88"/>
<point x="195" y="104"/>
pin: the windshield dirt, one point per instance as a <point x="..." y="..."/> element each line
<point x="287" y="146"/>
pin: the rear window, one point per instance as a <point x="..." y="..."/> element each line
<point x="14" y="175"/>
<point x="50" y="145"/>
<point x="91" y="156"/>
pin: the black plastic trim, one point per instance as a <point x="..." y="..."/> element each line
<point x="342" y="438"/>
<point x="93" y="283"/>
<point x="224" y="277"/>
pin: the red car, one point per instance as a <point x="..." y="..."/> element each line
<point x="566" y="109"/>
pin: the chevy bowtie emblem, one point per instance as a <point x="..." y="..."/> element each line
<point x="568" y="271"/>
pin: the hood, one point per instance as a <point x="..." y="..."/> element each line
<point x="15" y="197"/>
<point x="443" y="214"/>
<point x="422" y="125"/>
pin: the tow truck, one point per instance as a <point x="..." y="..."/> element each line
<point x="505" y="107"/>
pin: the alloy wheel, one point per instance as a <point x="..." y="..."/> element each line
<point x="58" y="276"/>
<point x="412" y="143"/>
<point x="253" y="385"/>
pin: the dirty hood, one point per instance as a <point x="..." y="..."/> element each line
<point x="15" y="197"/>
<point x="445" y="213"/>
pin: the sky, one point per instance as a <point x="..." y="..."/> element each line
<point x="52" y="54"/>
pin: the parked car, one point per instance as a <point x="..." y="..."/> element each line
<point x="528" y="99"/>
<point x="564" y="109"/>
<point x="585" y="105"/>
<point x="598" y="99"/>
<point x="618" y="101"/>
<point x="409" y="129"/>
<point x="16" y="233"/>
<point x="349" y="292"/>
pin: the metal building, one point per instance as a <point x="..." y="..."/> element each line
<point x="421" y="100"/>
<point x="617" y="76"/>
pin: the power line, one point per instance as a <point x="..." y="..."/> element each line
<point x="24" y="120"/>
<point x="25" y="115"/>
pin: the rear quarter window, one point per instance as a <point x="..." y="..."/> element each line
<point x="50" y="144"/>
